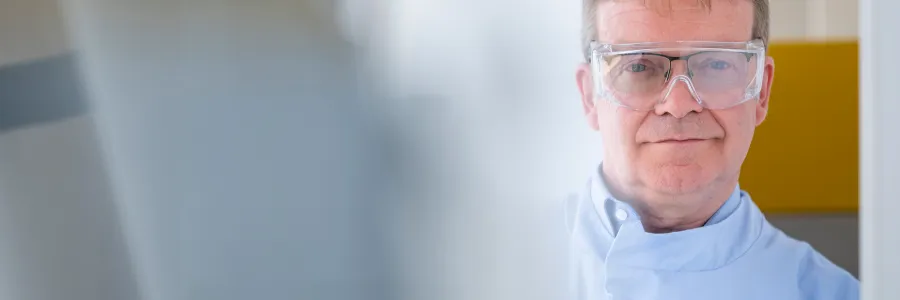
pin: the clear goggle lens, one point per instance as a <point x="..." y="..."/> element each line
<point x="639" y="76"/>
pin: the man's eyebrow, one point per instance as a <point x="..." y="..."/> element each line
<point x="667" y="6"/>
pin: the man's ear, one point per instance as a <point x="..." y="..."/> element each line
<point x="762" y="106"/>
<point x="586" y="88"/>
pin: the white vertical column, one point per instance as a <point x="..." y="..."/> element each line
<point x="880" y="148"/>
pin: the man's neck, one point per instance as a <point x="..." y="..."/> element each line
<point x="663" y="213"/>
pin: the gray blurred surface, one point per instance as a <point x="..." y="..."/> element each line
<point x="61" y="232"/>
<point x="243" y="159"/>
<point x="61" y="237"/>
<point x="31" y="30"/>
<point x="38" y="91"/>
<point x="834" y="235"/>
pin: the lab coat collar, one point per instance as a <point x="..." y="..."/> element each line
<point x="726" y="236"/>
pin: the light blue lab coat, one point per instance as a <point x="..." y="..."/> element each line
<point x="737" y="255"/>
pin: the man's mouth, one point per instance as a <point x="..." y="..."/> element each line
<point x="680" y="141"/>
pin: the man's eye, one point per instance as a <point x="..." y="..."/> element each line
<point x="719" y="65"/>
<point x="637" y="68"/>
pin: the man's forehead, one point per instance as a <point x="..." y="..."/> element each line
<point x="676" y="20"/>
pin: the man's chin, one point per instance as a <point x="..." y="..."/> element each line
<point x="679" y="180"/>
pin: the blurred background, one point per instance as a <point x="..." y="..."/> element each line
<point x="803" y="166"/>
<point x="309" y="149"/>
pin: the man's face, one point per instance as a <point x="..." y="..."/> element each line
<point x="642" y="149"/>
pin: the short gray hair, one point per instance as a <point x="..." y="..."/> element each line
<point x="589" y="21"/>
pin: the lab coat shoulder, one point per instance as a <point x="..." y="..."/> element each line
<point x="817" y="277"/>
<point x="821" y="279"/>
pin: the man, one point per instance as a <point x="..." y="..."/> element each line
<point x="676" y="89"/>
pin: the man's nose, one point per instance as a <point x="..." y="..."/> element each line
<point x="678" y="100"/>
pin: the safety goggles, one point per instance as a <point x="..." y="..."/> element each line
<point x="639" y="76"/>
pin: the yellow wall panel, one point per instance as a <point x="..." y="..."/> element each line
<point x="804" y="157"/>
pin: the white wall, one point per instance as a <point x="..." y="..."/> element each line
<point x="798" y="20"/>
<point x="502" y="76"/>
<point x="488" y="88"/>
